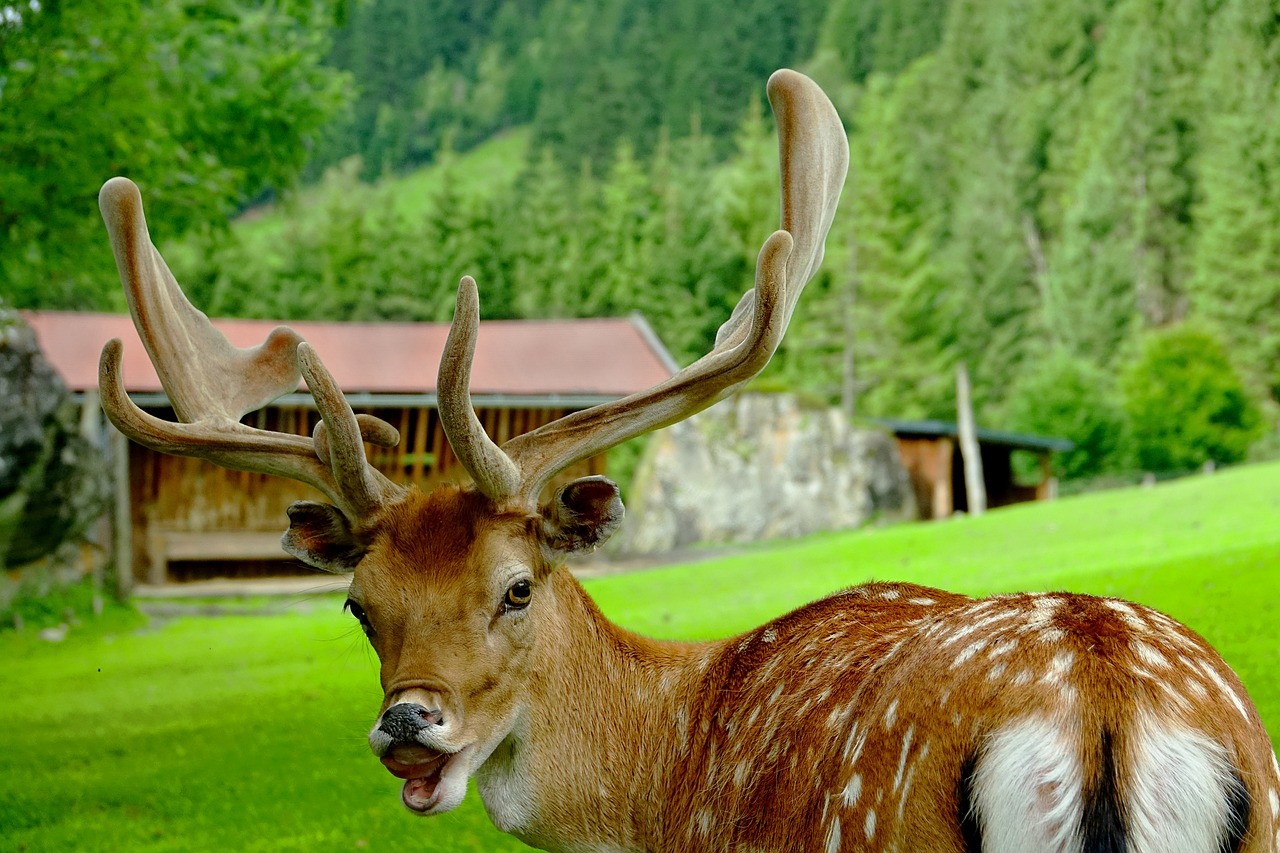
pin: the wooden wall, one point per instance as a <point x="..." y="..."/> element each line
<point x="243" y="514"/>
<point x="937" y="475"/>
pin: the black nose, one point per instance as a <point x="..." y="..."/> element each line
<point x="404" y="721"/>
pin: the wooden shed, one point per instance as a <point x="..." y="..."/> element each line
<point x="191" y="520"/>
<point x="931" y="454"/>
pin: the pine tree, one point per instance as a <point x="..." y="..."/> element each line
<point x="1236" y="279"/>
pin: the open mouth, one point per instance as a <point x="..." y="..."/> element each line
<point x="425" y="772"/>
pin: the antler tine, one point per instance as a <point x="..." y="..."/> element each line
<point x="212" y="384"/>
<point x="815" y="159"/>
<point x="339" y="440"/>
<point x="202" y="373"/>
<point x="494" y="473"/>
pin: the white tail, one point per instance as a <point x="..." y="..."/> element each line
<point x="887" y="717"/>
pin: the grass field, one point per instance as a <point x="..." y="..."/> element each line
<point x="247" y="733"/>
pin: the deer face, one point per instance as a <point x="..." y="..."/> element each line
<point x="451" y="592"/>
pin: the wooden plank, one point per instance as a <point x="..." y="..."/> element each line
<point x="223" y="545"/>
<point x="419" y="447"/>
<point x="440" y="453"/>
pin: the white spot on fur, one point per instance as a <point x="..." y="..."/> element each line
<point x="833" y="835"/>
<point x="968" y="652"/>
<point x="902" y="756"/>
<point x="1023" y="677"/>
<point x="740" y="773"/>
<point x="1060" y="666"/>
<point x="891" y="715"/>
<point x="906" y="788"/>
<point x="870" y="825"/>
<point x="1149" y="655"/>
<point x="1178" y="698"/>
<point x="996" y="671"/>
<point x="890" y="594"/>
<point x="1002" y="648"/>
<point x="1027" y="789"/>
<point x="1226" y="688"/>
<point x="1044" y="608"/>
<point x="1275" y="804"/>
<point x="1119" y="606"/>
<point x="959" y="634"/>
<point x="839" y="716"/>
<point x="704" y="822"/>
<point x="853" y="752"/>
<point x="1052" y="635"/>
<point x="1194" y="685"/>
<point x="923" y="602"/>
<point x="852" y="791"/>
<point x="777" y="692"/>
<point x="1177" y="783"/>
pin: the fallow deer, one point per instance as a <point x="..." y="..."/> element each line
<point x="886" y="717"/>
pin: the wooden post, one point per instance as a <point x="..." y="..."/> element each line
<point x="975" y="488"/>
<point x="848" y="307"/>
<point x="943" y="500"/>
<point x="121" y="514"/>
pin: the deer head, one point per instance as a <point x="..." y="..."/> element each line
<point x="460" y="591"/>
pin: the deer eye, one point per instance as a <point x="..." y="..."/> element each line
<point x="518" y="595"/>
<point x="361" y="617"/>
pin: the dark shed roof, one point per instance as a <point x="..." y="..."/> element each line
<point x="932" y="428"/>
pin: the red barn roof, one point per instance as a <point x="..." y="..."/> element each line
<point x="518" y="358"/>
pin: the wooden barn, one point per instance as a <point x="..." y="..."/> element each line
<point x="931" y="453"/>
<point x="191" y="520"/>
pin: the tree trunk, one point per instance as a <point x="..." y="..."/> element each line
<point x="974" y="487"/>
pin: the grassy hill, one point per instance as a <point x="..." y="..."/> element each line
<point x="476" y="174"/>
<point x="248" y="732"/>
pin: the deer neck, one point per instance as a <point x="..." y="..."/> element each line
<point x="602" y="733"/>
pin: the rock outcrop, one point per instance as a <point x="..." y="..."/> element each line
<point x="53" y="483"/>
<point x="761" y="466"/>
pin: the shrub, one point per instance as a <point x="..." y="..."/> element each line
<point x="1185" y="403"/>
<point x="1068" y="397"/>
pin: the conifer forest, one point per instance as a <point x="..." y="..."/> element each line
<point x="1078" y="200"/>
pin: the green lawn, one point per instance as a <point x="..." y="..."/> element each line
<point x="247" y="733"/>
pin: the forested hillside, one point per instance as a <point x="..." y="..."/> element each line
<point x="1077" y="200"/>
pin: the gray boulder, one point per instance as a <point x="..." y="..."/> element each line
<point x="53" y="483"/>
<point x="761" y="466"/>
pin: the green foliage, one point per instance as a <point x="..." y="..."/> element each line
<point x="202" y="103"/>
<point x="245" y="733"/>
<point x="881" y="35"/>
<point x="1185" y="403"/>
<point x="1027" y="179"/>
<point x="1069" y="397"/>
<point x="585" y="75"/>
<point x="37" y="601"/>
<point x="1236" y="257"/>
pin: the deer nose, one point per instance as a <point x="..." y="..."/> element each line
<point x="404" y="721"/>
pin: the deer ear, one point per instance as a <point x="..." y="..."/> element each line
<point x="320" y="536"/>
<point x="582" y="515"/>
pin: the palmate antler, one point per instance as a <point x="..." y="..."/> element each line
<point x="213" y="384"/>
<point x="814" y="156"/>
